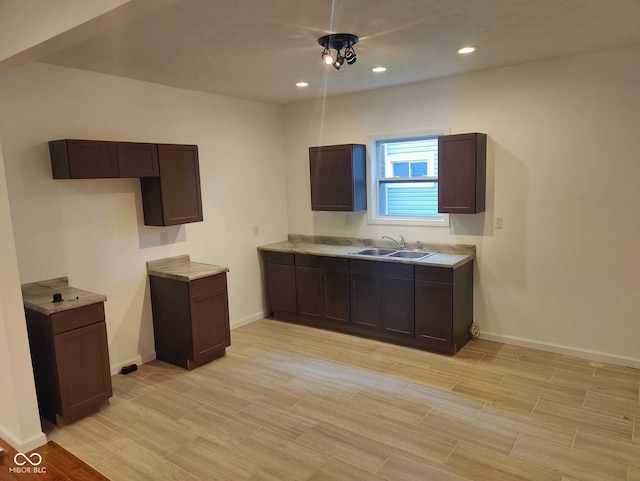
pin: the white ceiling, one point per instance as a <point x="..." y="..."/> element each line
<point x="258" y="49"/>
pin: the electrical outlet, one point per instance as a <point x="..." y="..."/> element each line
<point x="256" y="230"/>
<point x="498" y="223"/>
<point x="347" y="219"/>
<point x="164" y="238"/>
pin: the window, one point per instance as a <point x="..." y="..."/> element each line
<point x="404" y="181"/>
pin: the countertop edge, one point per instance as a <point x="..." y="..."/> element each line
<point x="340" y="251"/>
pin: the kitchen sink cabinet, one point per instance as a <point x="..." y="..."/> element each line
<point x="338" y="178"/>
<point x="421" y="306"/>
<point x="444" y="307"/>
<point x="190" y="319"/>
<point x="322" y="290"/>
<point x="280" y="280"/>
<point x="174" y="196"/>
<point x="70" y="360"/>
<point x="462" y="173"/>
<point x="382" y="298"/>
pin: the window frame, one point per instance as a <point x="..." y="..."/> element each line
<point x="373" y="194"/>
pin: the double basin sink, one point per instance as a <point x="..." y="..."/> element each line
<point x="380" y="252"/>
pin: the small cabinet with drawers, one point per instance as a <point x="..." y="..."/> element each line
<point x="70" y="360"/>
<point x="190" y="319"/>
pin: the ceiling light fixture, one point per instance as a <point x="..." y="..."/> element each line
<point x="343" y="44"/>
<point x="302" y="84"/>
<point x="465" y="50"/>
<point x="379" y="69"/>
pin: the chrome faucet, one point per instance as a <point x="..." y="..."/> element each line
<point x="400" y="244"/>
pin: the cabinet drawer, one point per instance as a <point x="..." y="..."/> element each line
<point x="322" y="262"/>
<point x="285" y="258"/>
<point x="386" y="269"/>
<point x="75" y="318"/>
<point x="207" y="284"/>
<point x="434" y="274"/>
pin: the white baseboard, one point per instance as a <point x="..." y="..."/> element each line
<point x="560" y="349"/>
<point x="248" y="320"/>
<point x="23" y="445"/>
<point x="141" y="359"/>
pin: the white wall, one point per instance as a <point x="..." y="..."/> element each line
<point x="19" y="420"/>
<point x="92" y="230"/>
<point x="563" y="172"/>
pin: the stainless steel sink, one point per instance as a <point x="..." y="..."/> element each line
<point x="375" y="252"/>
<point x="410" y="254"/>
<point x="379" y="252"/>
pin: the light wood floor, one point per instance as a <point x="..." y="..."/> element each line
<point x="296" y="403"/>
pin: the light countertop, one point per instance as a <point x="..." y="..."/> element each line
<point x="181" y="268"/>
<point x="38" y="296"/>
<point x="447" y="255"/>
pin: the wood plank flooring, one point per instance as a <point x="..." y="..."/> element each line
<point x="57" y="464"/>
<point x="296" y="403"/>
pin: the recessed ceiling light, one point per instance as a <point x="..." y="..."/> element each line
<point x="302" y="84"/>
<point x="465" y="50"/>
<point x="379" y="69"/>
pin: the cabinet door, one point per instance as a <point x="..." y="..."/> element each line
<point x="209" y="322"/>
<point x="462" y="173"/>
<point x="281" y="288"/>
<point x="82" y="363"/>
<point x="336" y="296"/>
<point x="434" y="315"/>
<point x="174" y="197"/>
<point x="397" y="307"/>
<point x="338" y="178"/>
<point x="90" y="159"/>
<point x="309" y="292"/>
<point x="137" y="159"/>
<point x="365" y="300"/>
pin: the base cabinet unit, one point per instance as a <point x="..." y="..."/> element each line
<point x="462" y="165"/>
<point x="70" y="360"/>
<point x="322" y="290"/>
<point x="420" y="306"/>
<point x="280" y="281"/>
<point x="444" y="307"/>
<point x="382" y="298"/>
<point x="190" y="319"/>
<point x="338" y="177"/>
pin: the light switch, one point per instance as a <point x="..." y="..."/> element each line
<point x="498" y="223"/>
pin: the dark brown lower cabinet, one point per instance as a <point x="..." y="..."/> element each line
<point x="322" y="290"/>
<point x="420" y="306"/>
<point x="70" y="360"/>
<point x="444" y="307"/>
<point x="280" y="280"/>
<point x="190" y="319"/>
<point x="382" y="298"/>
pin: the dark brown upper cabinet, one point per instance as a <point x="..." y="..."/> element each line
<point x="174" y="196"/>
<point x="83" y="159"/>
<point x="462" y="165"/>
<point x="169" y="173"/>
<point x="338" y="177"/>
<point x="136" y="159"/>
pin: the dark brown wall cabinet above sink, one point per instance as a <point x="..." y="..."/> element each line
<point x="169" y="173"/>
<point x="338" y="178"/>
<point x="462" y="163"/>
